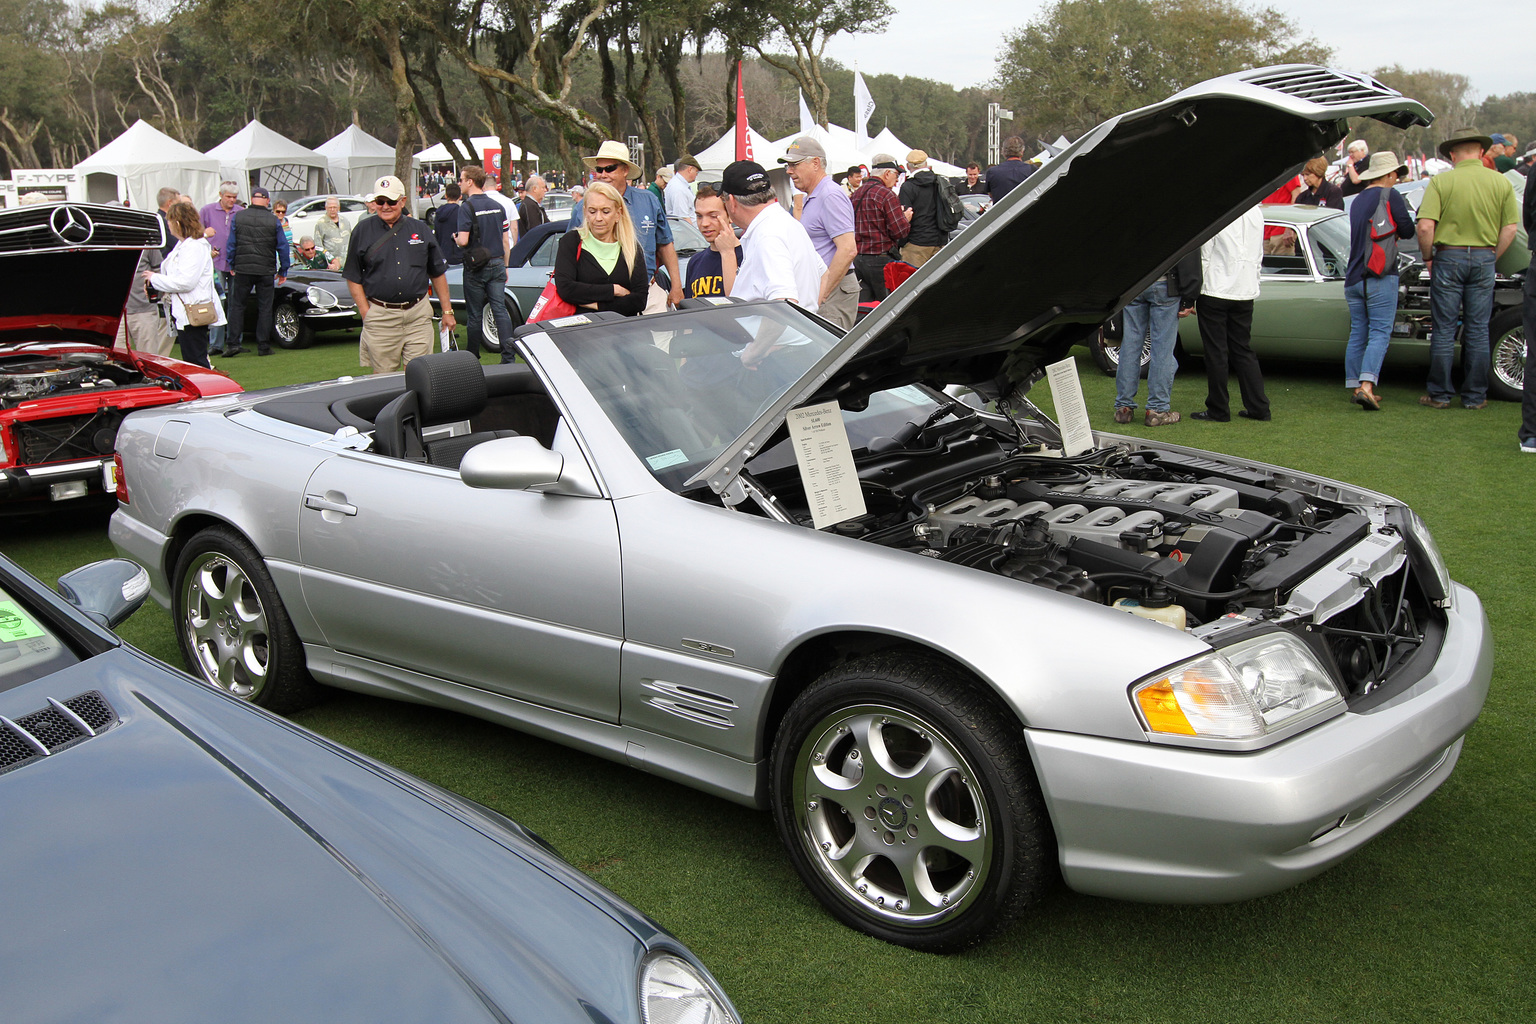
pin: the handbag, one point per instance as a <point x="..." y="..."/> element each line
<point x="200" y="314"/>
<point x="549" y="305"/>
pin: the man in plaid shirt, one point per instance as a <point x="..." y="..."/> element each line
<point x="879" y="223"/>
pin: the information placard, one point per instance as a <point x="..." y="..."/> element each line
<point x="1071" y="410"/>
<point x="826" y="464"/>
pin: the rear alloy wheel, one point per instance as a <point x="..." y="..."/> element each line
<point x="907" y="804"/>
<point x="231" y="625"/>
<point x="490" y="337"/>
<point x="1106" y="353"/>
<point x="1506" y="335"/>
<point x="289" y="328"/>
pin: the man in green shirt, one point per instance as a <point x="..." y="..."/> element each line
<point x="307" y="257"/>
<point x="1466" y="221"/>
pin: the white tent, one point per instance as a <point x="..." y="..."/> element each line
<point x="357" y="159"/>
<point x="887" y="142"/>
<point x="722" y="152"/>
<point x="257" y="155"/>
<point x="143" y="160"/>
<point x="439" y="154"/>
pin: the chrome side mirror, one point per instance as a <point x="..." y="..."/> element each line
<point x="510" y="463"/>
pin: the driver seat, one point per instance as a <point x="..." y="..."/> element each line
<point x="440" y="388"/>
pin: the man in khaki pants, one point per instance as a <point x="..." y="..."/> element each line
<point x="390" y="259"/>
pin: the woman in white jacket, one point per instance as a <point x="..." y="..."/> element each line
<point x="187" y="277"/>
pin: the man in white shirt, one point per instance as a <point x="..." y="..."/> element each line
<point x="679" y="194"/>
<point x="1229" y="265"/>
<point x="778" y="259"/>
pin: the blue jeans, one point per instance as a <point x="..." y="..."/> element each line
<point x="216" y="333"/>
<point x="1155" y="311"/>
<point x="1372" y="308"/>
<point x="488" y="284"/>
<point x="1461" y="282"/>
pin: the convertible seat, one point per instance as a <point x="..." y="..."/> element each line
<point x="440" y="388"/>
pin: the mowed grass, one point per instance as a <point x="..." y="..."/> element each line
<point x="1432" y="921"/>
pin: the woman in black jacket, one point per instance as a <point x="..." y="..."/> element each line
<point x="600" y="265"/>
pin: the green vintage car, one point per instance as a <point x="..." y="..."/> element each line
<point x="1301" y="313"/>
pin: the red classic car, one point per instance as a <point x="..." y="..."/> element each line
<point x="65" y="271"/>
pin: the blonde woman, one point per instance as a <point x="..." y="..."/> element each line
<point x="186" y="275"/>
<point x="600" y="265"/>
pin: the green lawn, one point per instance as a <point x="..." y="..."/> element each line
<point x="1433" y="921"/>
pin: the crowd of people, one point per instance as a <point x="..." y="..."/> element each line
<point x="1465" y="222"/>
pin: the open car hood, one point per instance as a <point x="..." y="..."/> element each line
<point x="67" y="270"/>
<point x="1081" y="237"/>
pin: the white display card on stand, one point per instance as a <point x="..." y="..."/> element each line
<point x="1071" y="410"/>
<point x="826" y="464"/>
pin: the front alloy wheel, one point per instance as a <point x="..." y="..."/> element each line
<point x="906" y="804"/>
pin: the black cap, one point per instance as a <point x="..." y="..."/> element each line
<point x="261" y="192"/>
<point x="744" y="178"/>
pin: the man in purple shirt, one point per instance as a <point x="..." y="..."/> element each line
<point x="216" y="218"/>
<point x="827" y="216"/>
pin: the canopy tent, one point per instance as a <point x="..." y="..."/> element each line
<point x="479" y="146"/>
<point x="257" y="155"/>
<point x="356" y="160"/>
<point x="887" y="142"/>
<point x="143" y="160"/>
<point x="716" y="157"/>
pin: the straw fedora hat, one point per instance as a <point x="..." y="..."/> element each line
<point x="613" y="152"/>
<point x="1383" y="163"/>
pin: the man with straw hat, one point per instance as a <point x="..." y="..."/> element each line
<point x="612" y="164"/>
<point x="1466" y="221"/>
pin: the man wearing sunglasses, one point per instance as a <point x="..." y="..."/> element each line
<point x="391" y="258"/>
<point x="613" y="165"/>
<point x="307" y="257"/>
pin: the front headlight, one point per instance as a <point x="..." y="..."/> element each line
<point x="1254" y="690"/>
<point x="321" y="298"/>
<point x="673" y="991"/>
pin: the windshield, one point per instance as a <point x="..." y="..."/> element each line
<point x="680" y="396"/>
<point x="686" y="237"/>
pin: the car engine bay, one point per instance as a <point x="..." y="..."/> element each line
<point x="26" y="376"/>
<point x="1185" y="539"/>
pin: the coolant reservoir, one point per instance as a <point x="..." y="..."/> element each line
<point x="1169" y="614"/>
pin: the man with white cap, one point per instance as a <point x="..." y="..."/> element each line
<point x="827" y="216"/>
<point x="391" y="258"/>
<point x="612" y="164"/>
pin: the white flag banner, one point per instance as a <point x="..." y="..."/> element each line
<point x="863" y="109"/>
<point x="806" y="123"/>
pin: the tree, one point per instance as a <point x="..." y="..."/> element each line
<point x="1513" y="113"/>
<point x="1084" y="61"/>
<point x="1444" y="93"/>
<point x="805" y="26"/>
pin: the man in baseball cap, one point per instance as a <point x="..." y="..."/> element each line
<point x="827" y="216"/>
<point x="258" y="251"/>
<point x="779" y="261"/>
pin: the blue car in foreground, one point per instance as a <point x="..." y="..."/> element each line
<point x="172" y="853"/>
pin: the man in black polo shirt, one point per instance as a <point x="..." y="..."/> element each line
<point x="258" y="249"/>
<point x="391" y="258"/>
<point x="485" y="236"/>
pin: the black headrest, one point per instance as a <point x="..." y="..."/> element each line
<point x="449" y="386"/>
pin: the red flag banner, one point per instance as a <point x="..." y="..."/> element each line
<point x="743" y="139"/>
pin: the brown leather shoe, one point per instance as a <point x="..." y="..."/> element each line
<point x="1430" y="403"/>
<point x="1161" y="419"/>
<point x="1480" y="405"/>
<point x="1123" y="413"/>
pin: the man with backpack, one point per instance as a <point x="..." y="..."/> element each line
<point x="933" y="204"/>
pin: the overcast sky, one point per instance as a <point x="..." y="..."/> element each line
<point x="1469" y="37"/>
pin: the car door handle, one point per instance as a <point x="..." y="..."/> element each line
<point x="324" y="504"/>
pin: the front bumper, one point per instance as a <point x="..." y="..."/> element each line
<point x="1142" y="821"/>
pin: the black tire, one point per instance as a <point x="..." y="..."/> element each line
<point x="1507" y="346"/>
<point x="233" y="630"/>
<point x="489" y="338"/>
<point x="1106" y="353"/>
<point x="967" y="821"/>
<point x="288" y="327"/>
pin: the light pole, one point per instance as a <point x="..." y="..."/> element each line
<point x="996" y="115"/>
<point x="637" y="154"/>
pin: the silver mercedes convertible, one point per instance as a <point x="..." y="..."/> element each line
<point x="958" y="650"/>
